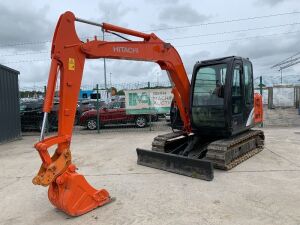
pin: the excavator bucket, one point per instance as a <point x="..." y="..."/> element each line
<point x="196" y="168"/>
<point x="72" y="194"/>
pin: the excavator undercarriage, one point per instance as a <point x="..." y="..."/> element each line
<point x="193" y="156"/>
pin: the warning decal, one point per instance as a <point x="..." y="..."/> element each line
<point x="71" y="64"/>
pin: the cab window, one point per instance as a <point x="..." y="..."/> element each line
<point x="236" y="90"/>
<point x="248" y="83"/>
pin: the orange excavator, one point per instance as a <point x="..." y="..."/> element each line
<point x="217" y="111"/>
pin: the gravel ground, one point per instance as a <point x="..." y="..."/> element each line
<point x="262" y="190"/>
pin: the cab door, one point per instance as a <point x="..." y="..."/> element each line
<point x="237" y="97"/>
<point x="248" y="94"/>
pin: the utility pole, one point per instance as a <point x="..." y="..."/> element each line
<point x="261" y="93"/>
<point x="104" y="63"/>
<point x="110" y="79"/>
<point x="260" y="85"/>
<point x="97" y="108"/>
<point x="286" y="63"/>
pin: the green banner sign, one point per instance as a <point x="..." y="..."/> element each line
<point x="148" y="101"/>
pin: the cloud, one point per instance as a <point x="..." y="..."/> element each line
<point x="113" y="12"/>
<point x="182" y="14"/>
<point x="132" y="72"/>
<point x="166" y="2"/>
<point x="24" y="23"/>
<point x="264" y="48"/>
<point x="271" y="2"/>
<point x="264" y="53"/>
<point x="34" y="75"/>
<point x="189" y="60"/>
<point x="122" y="71"/>
<point x="108" y="12"/>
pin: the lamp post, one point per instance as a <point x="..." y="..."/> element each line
<point x="104" y="64"/>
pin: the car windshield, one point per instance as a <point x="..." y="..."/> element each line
<point x="22" y="107"/>
<point x="114" y="105"/>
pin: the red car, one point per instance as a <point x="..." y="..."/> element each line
<point x="113" y="113"/>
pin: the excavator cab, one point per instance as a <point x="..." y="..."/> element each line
<point x="222" y="101"/>
<point x="223" y="109"/>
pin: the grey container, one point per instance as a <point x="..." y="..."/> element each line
<point x="10" y="123"/>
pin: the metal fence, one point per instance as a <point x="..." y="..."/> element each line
<point x="98" y="110"/>
<point x="280" y="96"/>
<point x="281" y="103"/>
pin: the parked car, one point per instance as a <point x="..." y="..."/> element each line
<point x="32" y="116"/>
<point x="88" y="104"/>
<point x="168" y="117"/>
<point x="112" y="113"/>
<point x="31" y="113"/>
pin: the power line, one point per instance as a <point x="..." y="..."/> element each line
<point x="35" y="42"/>
<point x="26" y="53"/>
<point x="188" y="45"/>
<point x="27" y="61"/>
<point x="234" y="31"/>
<point x="24" y="43"/>
<point x="290" y="63"/>
<point x="168" y="28"/>
<point x="238" y="39"/>
<point x="285" y="60"/>
<point x="185" y="37"/>
<point x="225" y="21"/>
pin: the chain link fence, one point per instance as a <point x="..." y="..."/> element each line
<point x="106" y="110"/>
<point x="99" y="109"/>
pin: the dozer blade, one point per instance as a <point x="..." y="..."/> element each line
<point x="196" y="168"/>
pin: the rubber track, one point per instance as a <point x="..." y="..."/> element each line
<point x="159" y="143"/>
<point x="228" y="153"/>
<point x="225" y="153"/>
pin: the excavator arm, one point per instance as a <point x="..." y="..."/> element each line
<point x="69" y="191"/>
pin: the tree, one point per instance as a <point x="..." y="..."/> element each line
<point x="121" y="92"/>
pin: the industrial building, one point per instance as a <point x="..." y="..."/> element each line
<point x="10" y="125"/>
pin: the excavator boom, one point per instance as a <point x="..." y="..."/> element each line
<point x="68" y="55"/>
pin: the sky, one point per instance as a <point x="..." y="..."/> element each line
<point x="266" y="31"/>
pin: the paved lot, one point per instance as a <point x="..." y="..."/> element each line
<point x="263" y="190"/>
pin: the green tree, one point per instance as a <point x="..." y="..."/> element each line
<point x="121" y="92"/>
